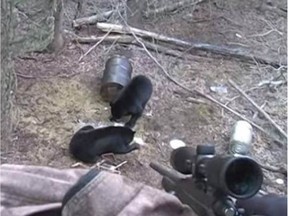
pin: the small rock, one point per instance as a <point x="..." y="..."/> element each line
<point x="279" y="181"/>
<point x="219" y="89"/>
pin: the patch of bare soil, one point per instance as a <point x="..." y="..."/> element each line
<point x="55" y="91"/>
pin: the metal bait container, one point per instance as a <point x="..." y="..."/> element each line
<point x="116" y="75"/>
<point x="241" y="138"/>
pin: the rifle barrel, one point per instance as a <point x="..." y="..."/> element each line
<point x="170" y="173"/>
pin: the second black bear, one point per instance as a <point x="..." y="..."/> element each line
<point x="88" y="144"/>
<point x="132" y="100"/>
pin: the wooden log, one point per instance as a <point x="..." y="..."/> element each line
<point x="116" y="28"/>
<point x="181" y="44"/>
<point x="127" y="39"/>
<point x="92" y="19"/>
<point x="110" y="38"/>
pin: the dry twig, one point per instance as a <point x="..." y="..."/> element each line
<point x="257" y="112"/>
<point x="258" y="108"/>
<point x="265" y="33"/>
<point x="234" y="98"/>
<point x="272" y="26"/>
<point x="272" y="83"/>
<point x="94" y="46"/>
<point x="25" y="76"/>
<point x="80" y="164"/>
<point x="272" y="29"/>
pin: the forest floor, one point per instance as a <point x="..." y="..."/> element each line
<point x="55" y="91"/>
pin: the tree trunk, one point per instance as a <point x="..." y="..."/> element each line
<point x="7" y="70"/>
<point x="26" y="26"/>
<point x="58" y="41"/>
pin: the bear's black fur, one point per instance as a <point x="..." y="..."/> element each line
<point x="132" y="100"/>
<point x="88" y="144"/>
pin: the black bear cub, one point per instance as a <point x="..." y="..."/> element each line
<point x="88" y="144"/>
<point x="132" y="100"/>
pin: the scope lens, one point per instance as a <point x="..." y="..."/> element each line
<point x="181" y="159"/>
<point x="243" y="177"/>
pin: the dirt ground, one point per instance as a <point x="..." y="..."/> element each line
<point x="54" y="91"/>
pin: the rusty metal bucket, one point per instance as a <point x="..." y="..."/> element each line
<point x="116" y="75"/>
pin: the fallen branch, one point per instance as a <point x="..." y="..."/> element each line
<point x="110" y="38"/>
<point x="170" y="8"/>
<point x="180" y="44"/>
<point x="94" y="46"/>
<point x="127" y="39"/>
<point x="92" y="19"/>
<point x="258" y="108"/>
<point x="116" y="28"/>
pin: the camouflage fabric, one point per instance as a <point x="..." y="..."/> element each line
<point x="36" y="190"/>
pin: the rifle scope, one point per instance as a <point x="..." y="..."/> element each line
<point x="238" y="176"/>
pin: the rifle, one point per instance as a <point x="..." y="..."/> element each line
<point x="210" y="183"/>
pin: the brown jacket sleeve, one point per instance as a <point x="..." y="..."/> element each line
<point x="29" y="189"/>
<point x="32" y="190"/>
